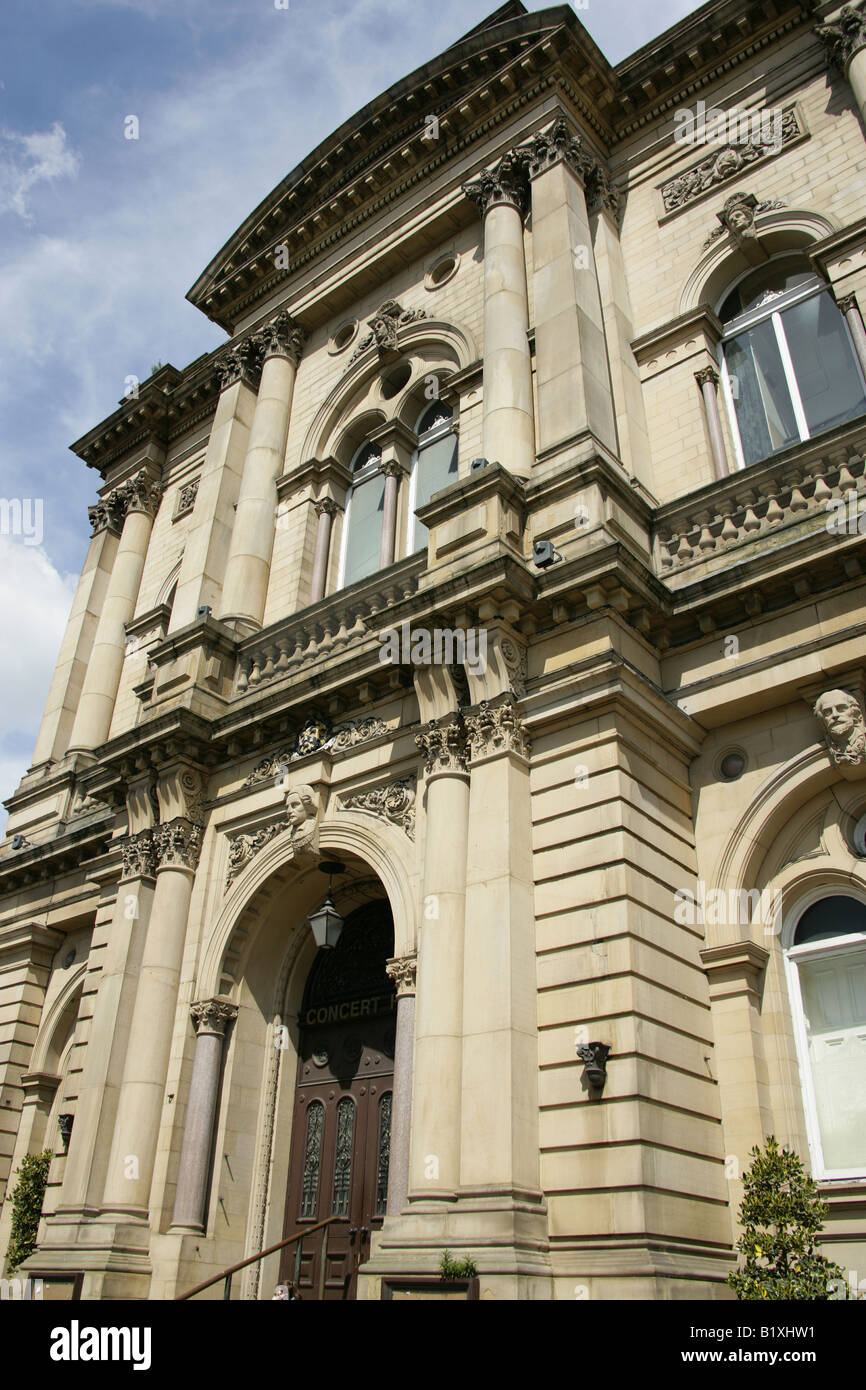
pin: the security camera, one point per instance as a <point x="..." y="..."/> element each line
<point x="545" y="554"/>
<point x="204" y="612"/>
<point x="19" y="841"/>
<point x="478" y="463"/>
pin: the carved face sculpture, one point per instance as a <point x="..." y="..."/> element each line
<point x="839" y="712"/>
<point x="300" y="806"/>
<point x="739" y="220"/>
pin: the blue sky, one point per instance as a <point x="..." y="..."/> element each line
<point x="101" y="237"/>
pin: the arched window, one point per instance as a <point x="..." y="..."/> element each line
<point x="826" y="966"/>
<point x="434" y="467"/>
<point x="362" y="528"/>
<point x="789" y="367"/>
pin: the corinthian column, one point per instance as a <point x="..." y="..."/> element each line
<point x="708" y="380"/>
<point x="851" y="309"/>
<point x="392" y="469"/>
<point x="499" y="1144"/>
<point x="325" y="509"/>
<point x="177" y="843"/>
<point x="402" y="972"/>
<point x="845" y="40"/>
<point x="434" y="1164"/>
<point x="574" y="385"/>
<point x="210" y="1017"/>
<point x="245" y="588"/>
<point x="508" y="432"/>
<point x="137" y="501"/>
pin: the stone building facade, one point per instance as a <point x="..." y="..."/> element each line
<point x="509" y="558"/>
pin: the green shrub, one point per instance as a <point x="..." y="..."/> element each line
<point x="456" y="1269"/>
<point x="781" y="1214"/>
<point x="27" y="1207"/>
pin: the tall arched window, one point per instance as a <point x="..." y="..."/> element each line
<point x="789" y="367"/>
<point x="362" y="528"/>
<point x="826" y="966"/>
<point x="435" y="466"/>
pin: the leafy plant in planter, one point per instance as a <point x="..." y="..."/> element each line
<point x="27" y="1206"/>
<point x="456" y="1269"/>
<point x="781" y="1214"/>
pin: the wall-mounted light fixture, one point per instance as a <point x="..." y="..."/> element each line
<point x="594" y="1057"/>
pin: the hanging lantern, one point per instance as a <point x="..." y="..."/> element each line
<point x="327" y="924"/>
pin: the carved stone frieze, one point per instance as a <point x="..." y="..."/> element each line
<point x="844" y="730"/>
<point x="725" y="163"/>
<point x="213" y="1015"/>
<point x="845" y="35"/>
<point x="356" y="731"/>
<point x="186" y="498"/>
<point x="394" y="802"/>
<point x="177" y="843"/>
<point x="388" y="319"/>
<point x="496" y="728"/>
<point x="506" y="183"/>
<point x="138" y="853"/>
<point x="269" y="769"/>
<point x="403" y="971"/>
<point x="443" y="744"/>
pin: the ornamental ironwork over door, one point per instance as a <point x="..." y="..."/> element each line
<point x="341" y="1130"/>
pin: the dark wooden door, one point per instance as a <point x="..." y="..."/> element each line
<point x="341" y="1127"/>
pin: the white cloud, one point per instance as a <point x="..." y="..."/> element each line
<point x="27" y="160"/>
<point x="34" y="606"/>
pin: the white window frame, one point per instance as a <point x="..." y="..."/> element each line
<point x="792" y="957"/>
<point x="363" y="476"/>
<point x="432" y="436"/>
<point x="761" y="314"/>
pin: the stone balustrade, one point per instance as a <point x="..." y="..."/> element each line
<point x="324" y="629"/>
<point x="759" y="504"/>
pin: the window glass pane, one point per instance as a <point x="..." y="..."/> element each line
<point x="834" y="1001"/>
<point x="437" y="467"/>
<point x="824" y="364"/>
<point x="765" y="414"/>
<point x="833" y="916"/>
<point x="365" y="530"/>
<point x="762" y="286"/>
<point x="343" y="1157"/>
<point x="312" y="1158"/>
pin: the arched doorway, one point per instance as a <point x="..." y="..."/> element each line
<point x="341" y="1129"/>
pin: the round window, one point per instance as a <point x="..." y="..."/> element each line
<point x="441" y="271"/>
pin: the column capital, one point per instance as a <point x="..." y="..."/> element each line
<point x="242" y="362"/>
<point x="443" y="744"/>
<point x="507" y="183"/>
<point x="494" y="727"/>
<point x="845" y="36"/>
<point x="847" y="303"/>
<point x="213" y="1015"/>
<point x="403" y="971"/>
<point x="177" y="844"/>
<point x="139" y="494"/>
<point x="707" y="376"/>
<point x="138" y="854"/>
<point x="392" y="468"/>
<point x="326" y="506"/>
<point x="105" y="515"/>
<point x="282" y="336"/>
<point x="560" y="142"/>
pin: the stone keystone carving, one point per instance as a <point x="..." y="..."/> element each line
<point x="138" y="853"/>
<point x="845" y="36"/>
<point x="507" y="182"/>
<point x="844" y="729"/>
<point x="283" y="336"/>
<point x="300" y="821"/>
<point x="496" y="728"/>
<point x="394" y="802"/>
<point x="384" y="325"/>
<point x="403" y="970"/>
<point x="213" y="1015"/>
<point x="443" y="744"/>
<point x="738" y="217"/>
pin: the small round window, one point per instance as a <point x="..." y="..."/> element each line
<point x="441" y="271"/>
<point x="343" y="336"/>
